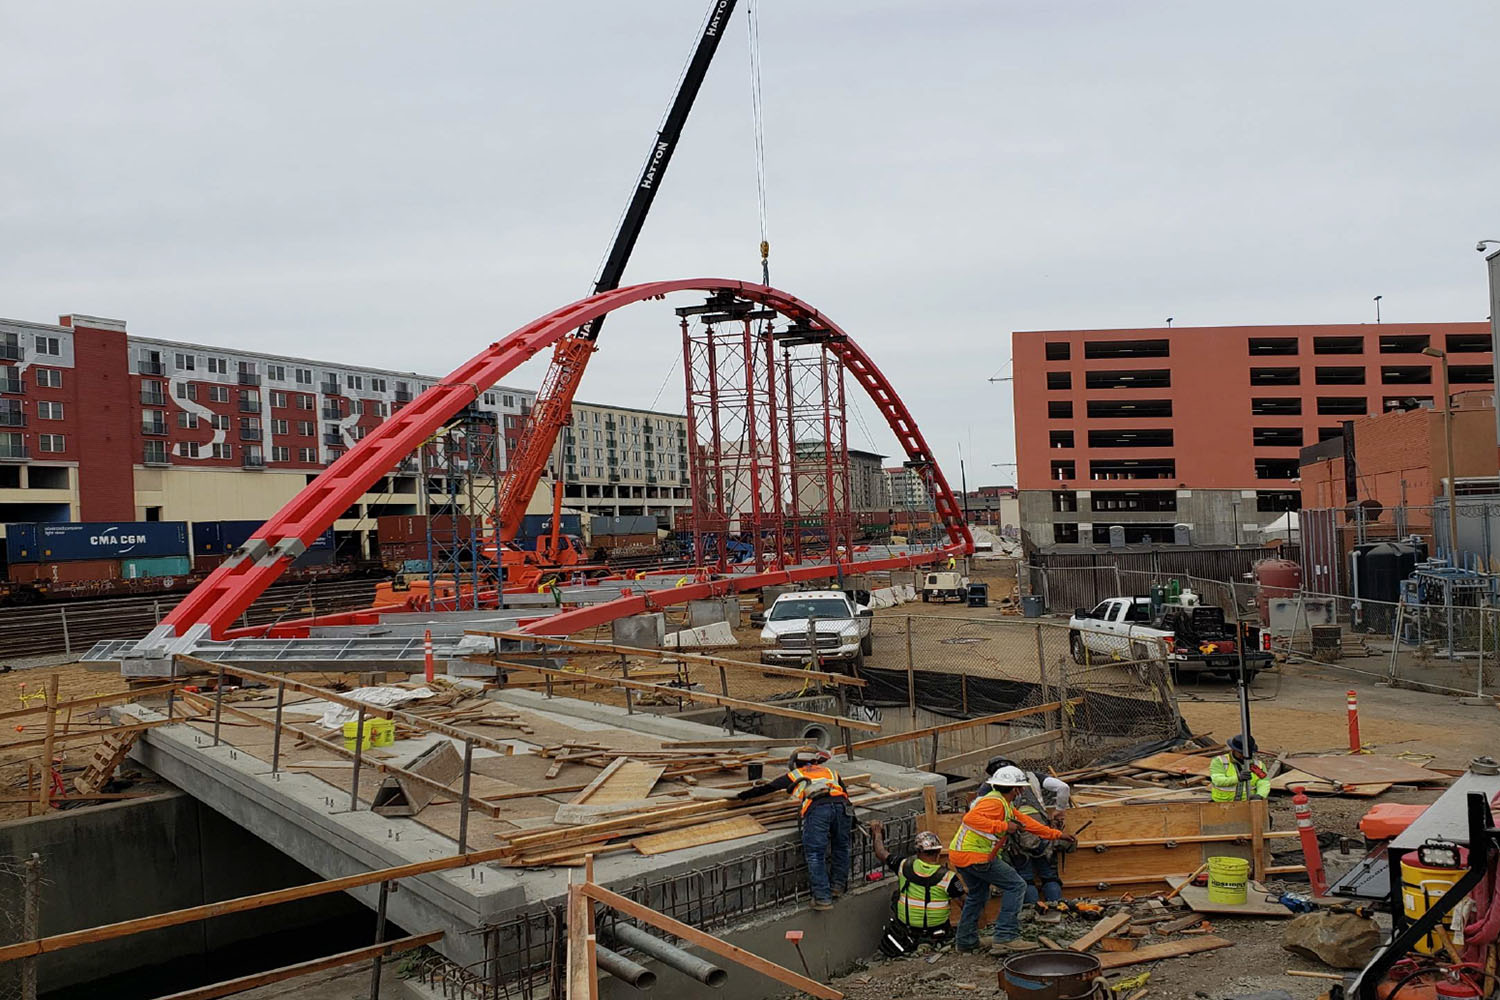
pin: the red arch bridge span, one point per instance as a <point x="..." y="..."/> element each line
<point x="209" y="611"/>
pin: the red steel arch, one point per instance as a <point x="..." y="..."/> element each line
<point x="219" y="600"/>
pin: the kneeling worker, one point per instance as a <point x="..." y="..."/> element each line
<point x="924" y="887"/>
<point x="826" y="816"/>
<point x="1237" y="776"/>
<point x="975" y="852"/>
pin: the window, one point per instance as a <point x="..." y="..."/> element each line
<point x="306" y="428"/>
<point x="218" y="421"/>
<point x="249" y="401"/>
<point x="50" y="347"/>
<point x="218" y="366"/>
<point x="1404" y="402"/>
<point x="218" y="393"/>
<point x="1406" y="374"/>
<point x="1064" y="501"/>
<point x="10" y="347"/>
<point x="278" y="427"/>
<point x="308" y="456"/>
<point x="1112" y="500"/>
<point x="1338" y="345"/>
<point x="357" y="407"/>
<point x="1064" y="470"/>
<point x="1145" y="378"/>
<point x="1275" y="376"/>
<point x="1058" y="350"/>
<point x="1275" y="468"/>
<point x="1065" y="534"/>
<point x="1413" y="344"/>
<point x="1130" y="439"/>
<point x="187" y="390"/>
<point x="1060" y="409"/>
<point x="51" y="443"/>
<point x="377" y="384"/>
<point x="223" y="451"/>
<point x="1115" y="409"/>
<point x="278" y="399"/>
<point x="148" y="362"/>
<point x="304" y="376"/>
<point x="1277" y="501"/>
<point x="187" y="420"/>
<point x="1356" y="406"/>
<point x="46" y="410"/>
<point x="153" y="421"/>
<point x="1339" y="376"/>
<point x="304" y="402"/>
<point x="155" y="453"/>
<point x="1467" y="343"/>
<point x="280" y="454"/>
<point x="1276" y="437"/>
<point x="276" y="373"/>
<point x="1276" y="406"/>
<point x="509" y="400"/>
<point x="1470" y="374"/>
<point x="186" y="362"/>
<point x="13" y="446"/>
<point x="1059" y="380"/>
<point x="188" y="449"/>
<point x="1126" y="349"/>
<point x="375" y="406"/>
<point x="355" y="381"/>
<point x="1329" y="433"/>
<point x="489" y="399"/>
<point x="1134" y="468"/>
<point x="49" y="378"/>
<point x="1273" y="345"/>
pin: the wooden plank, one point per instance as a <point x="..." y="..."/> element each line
<point x="689" y="695"/>
<point x="950" y="727"/>
<point x="697" y="836"/>
<point x="951" y="764"/>
<point x="1366" y="769"/>
<point x="580" y="970"/>
<point x="232" y="986"/>
<point x="1156" y="952"/>
<point x="92" y="700"/>
<point x="664" y="654"/>
<point x="625" y="780"/>
<point x="1208" y="838"/>
<point x="929" y="809"/>
<point x="708" y="942"/>
<point x="1101" y="930"/>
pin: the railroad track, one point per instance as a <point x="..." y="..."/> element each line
<point x="74" y="626"/>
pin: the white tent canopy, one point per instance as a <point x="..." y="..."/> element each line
<point x="1284" y="528"/>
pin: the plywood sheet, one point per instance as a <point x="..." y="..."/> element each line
<point x="624" y="780"/>
<point x="1255" y="904"/>
<point x="697" y="836"/>
<point x="1152" y="862"/>
<point x="1366" y="769"/>
<point x="1187" y="764"/>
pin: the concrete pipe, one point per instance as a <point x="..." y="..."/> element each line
<point x="623" y="969"/>
<point x="670" y="955"/>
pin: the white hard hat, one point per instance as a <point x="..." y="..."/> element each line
<point x="1008" y="777"/>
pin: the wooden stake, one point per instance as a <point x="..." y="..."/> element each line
<point x="47" y="745"/>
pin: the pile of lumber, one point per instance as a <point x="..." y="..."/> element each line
<point x="680" y="765"/>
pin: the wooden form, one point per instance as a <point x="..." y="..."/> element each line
<point x="1161" y="840"/>
<point x="821" y="676"/>
<point x="231" y="986"/>
<point x="953" y="727"/>
<point x="587" y="983"/>
<point x="687" y="694"/>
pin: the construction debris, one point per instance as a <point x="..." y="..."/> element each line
<point x="1340" y="940"/>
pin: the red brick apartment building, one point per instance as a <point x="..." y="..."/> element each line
<point x="1152" y="429"/>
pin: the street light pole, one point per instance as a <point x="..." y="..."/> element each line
<point x="1493" y="262"/>
<point x="1377" y="307"/>
<point x="1442" y="357"/>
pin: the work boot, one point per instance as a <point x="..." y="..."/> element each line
<point x="1012" y="946"/>
<point x="840" y="889"/>
<point x="822" y="904"/>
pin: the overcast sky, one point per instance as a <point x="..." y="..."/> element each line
<point x="399" y="184"/>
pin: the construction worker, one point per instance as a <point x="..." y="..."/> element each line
<point x="920" y="910"/>
<point x="1237" y="776"/>
<point x="975" y="853"/>
<point x="826" y="820"/>
<point x="952" y="563"/>
<point x="1034" y="859"/>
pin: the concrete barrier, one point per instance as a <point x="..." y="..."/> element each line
<point x="647" y="631"/>
<point x="702" y="637"/>
<point x="716" y="609"/>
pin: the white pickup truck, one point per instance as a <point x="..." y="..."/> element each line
<point x="842" y="627"/>
<point x="1190" y="636"/>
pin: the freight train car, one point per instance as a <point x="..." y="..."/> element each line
<point x="96" y="559"/>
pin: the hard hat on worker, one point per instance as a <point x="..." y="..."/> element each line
<point x="807" y="755"/>
<point x="1237" y="745"/>
<point x="996" y="763"/>
<point x="927" y="841"/>
<point x="1008" y="777"/>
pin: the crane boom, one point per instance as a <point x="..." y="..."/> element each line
<point x="554" y="403"/>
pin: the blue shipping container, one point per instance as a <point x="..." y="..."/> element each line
<point x="94" y="540"/>
<point x="217" y="538"/>
<point x="155" y="566"/>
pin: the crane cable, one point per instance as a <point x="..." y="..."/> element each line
<point x="757" y="111"/>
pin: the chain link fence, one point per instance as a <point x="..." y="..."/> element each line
<point x="20" y="920"/>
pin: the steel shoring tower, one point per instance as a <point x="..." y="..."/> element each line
<point x="466" y="456"/>
<point x="813" y="428"/>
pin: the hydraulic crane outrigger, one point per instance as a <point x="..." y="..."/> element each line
<point x="554" y="403"/>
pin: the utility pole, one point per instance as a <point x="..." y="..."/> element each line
<point x="1492" y="262"/>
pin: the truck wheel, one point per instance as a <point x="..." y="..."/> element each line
<point x="867" y="645"/>
<point x="1076" y="647"/>
<point x="859" y="660"/>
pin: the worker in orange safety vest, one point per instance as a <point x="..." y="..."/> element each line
<point x="975" y="852"/>
<point x="826" y="820"/>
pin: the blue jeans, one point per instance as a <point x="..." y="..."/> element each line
<point x="1044" y="868"/>
<point x="977" y="882"/>
<point x="826" y="821"/>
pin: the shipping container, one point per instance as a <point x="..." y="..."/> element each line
<point x="625" y="524"/>
<point x="74" y="540"/>
<point x="223" y="537"/>
<point x="413" y="528"/>
<point x="73" y="571"/>
<point x="148" y="567"/>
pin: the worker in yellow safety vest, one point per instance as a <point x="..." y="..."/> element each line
<point x="1237" y="776"/>
<point x="952" y="563"/>
<point x="826" y="820"/>
<point x="976" y="851"/>
<point x="921" y="911"/>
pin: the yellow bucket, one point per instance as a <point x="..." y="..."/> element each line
<point x="350" y="729"/>
<point x="1227" y="880"/>
<point x="382" y="732"/>
<point x="1420" y="888"/>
